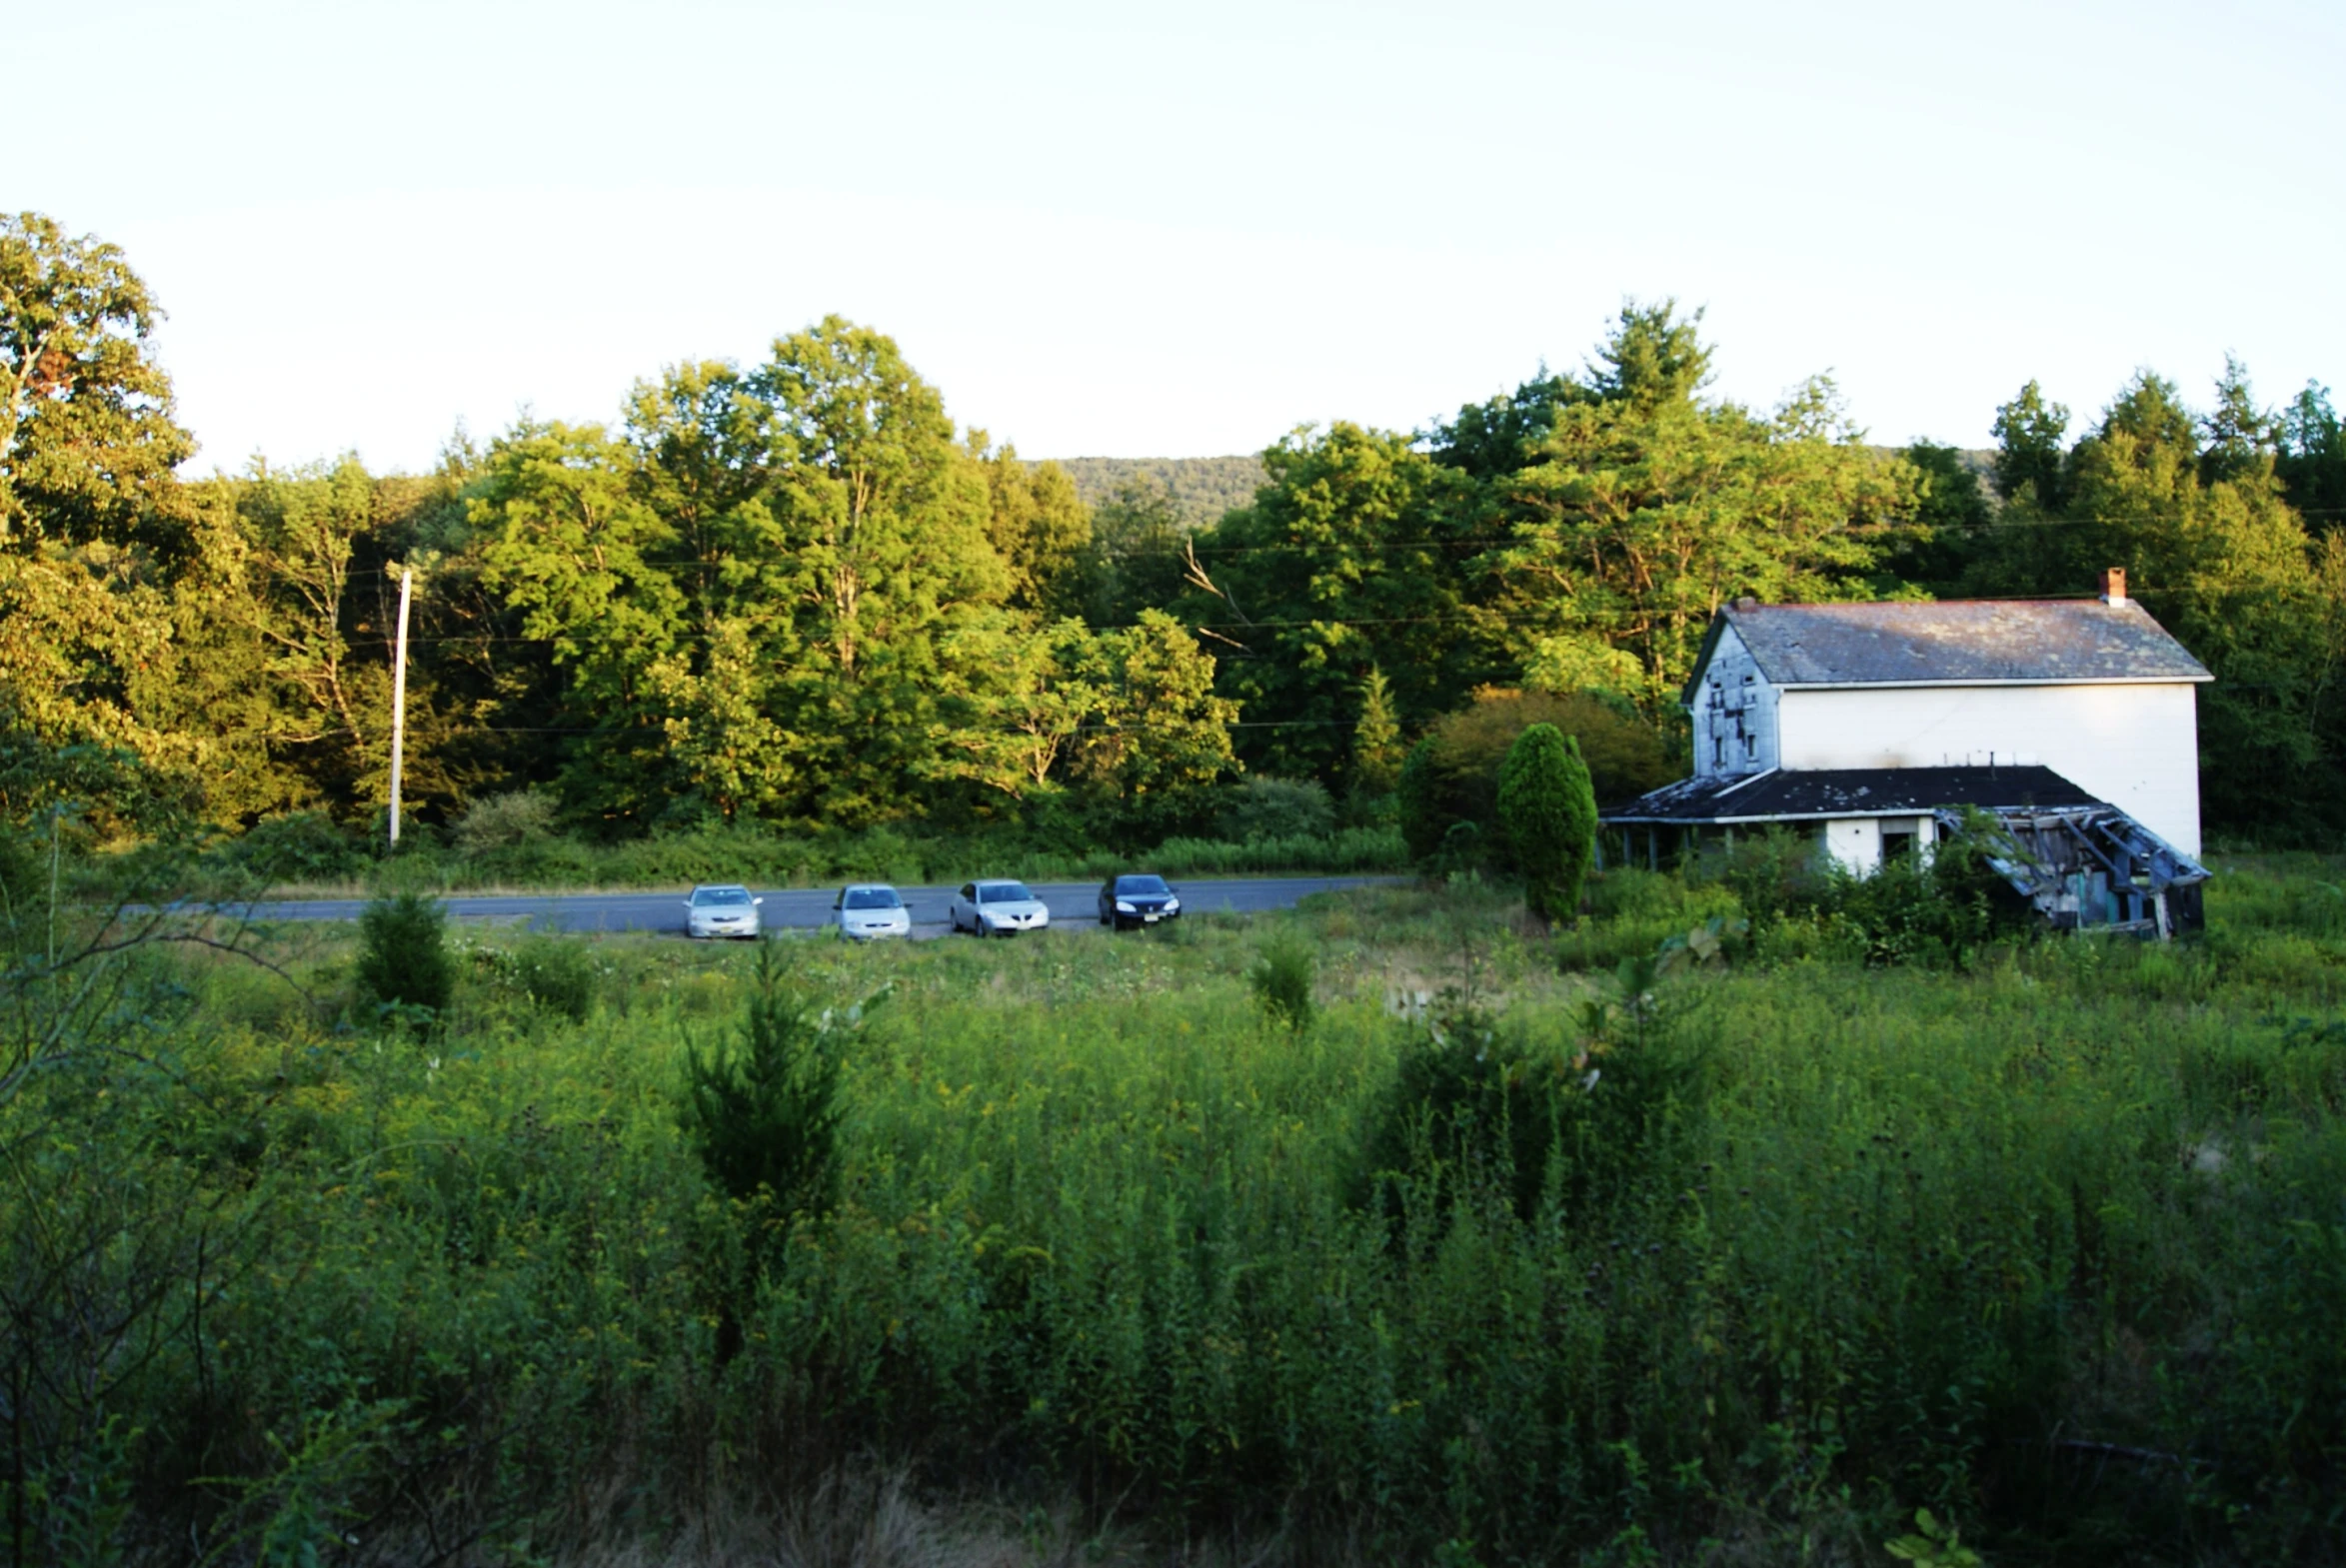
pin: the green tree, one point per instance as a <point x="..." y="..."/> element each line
<point x="2239" y="435"/>
<point x="1039" y="526"/>
<point x="91" y="516"/>
<point x="1136" y="558"/>
<point x="1347" y="561"/>
<point x="882" y="554"/>
<point x="1161" y="735"/>
<point x="2310" y="459"/>
<point x="2031" y="443"/>
<point x="1951" y="524"/>
<point x="1650" y="508"/>
<point x="87" y="439"/>
<point x="1376" y="736"/>
<point x="1548" y="814"/>
<point x="577" y="553"/>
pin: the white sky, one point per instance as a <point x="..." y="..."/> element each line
<point x="1182" y="229"/>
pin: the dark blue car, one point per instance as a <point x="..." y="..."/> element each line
<point x="1138" y="898"/>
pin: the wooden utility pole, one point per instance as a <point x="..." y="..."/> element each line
<point x="399" y="702"/>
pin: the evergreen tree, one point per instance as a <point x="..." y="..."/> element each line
<point x="2311" y="460"/>
<point x="1377" y="738"/>
<point x="1419" y="795"/>
<point x="1548" y="814"/>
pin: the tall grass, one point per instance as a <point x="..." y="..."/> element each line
<point x="2052" y="1248"/>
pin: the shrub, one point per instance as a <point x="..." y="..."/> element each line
<point x="403" y="952"/>
<point x="1548" y="815"/>
<point x="1476" y="1106"/>
<point x="301" y="847"/>
<point x="765" y="1115"/>
<point x="1265" y="807"/>
<point x="1625" y="756"/>
<point x="503" y="822"/>
<point x="1420" y="800"/>
<point x="557" y="973"/>
<point x="1282" y="982"/>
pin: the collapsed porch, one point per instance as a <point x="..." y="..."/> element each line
<point x="2078" y="861"/>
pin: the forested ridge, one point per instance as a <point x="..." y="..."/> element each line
<point x="796" y="593"/>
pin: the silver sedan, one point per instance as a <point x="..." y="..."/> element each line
<point x="997" y="909"/>
<point x="871" y="910"/>
<point x="721" y="910"/>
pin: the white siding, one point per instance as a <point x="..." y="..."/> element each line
<point x="2136" y="746"/>
<point x="1856" y="841"/>
<point x="1734" y="713"/>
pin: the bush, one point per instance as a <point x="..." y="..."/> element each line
<point x="1282" y="982"/>
<point x="1550" y="818"/>
<point x="403" y="952"/>
<point x="557" y="973"/>
<point x="1476" y="1106"/>
<point x="1422" y="800"/>
<point x="1265" y="807"/>
<point x="765" y="1115"/>
<point x="304" y="847"/>
<point x="501" y="821"/>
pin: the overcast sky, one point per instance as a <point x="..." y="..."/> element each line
<point x="1181" y="230"/>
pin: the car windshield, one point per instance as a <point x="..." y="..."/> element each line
<point x="1140" y="884"/>
<point x="873" y="898"/>
<point x="1003" y="892"/>
<point x="720" y="898"/>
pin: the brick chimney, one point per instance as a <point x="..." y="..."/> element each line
<point x="2113" y="584"/>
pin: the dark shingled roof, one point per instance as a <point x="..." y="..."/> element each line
<point x="1811" y="794"/>
<point x="1957" y="640"/>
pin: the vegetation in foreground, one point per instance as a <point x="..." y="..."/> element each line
<point x="1391" y="1230"/>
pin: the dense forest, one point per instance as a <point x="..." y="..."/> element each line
<point x="796" y="593"/>
<point x="1202" y="489"/>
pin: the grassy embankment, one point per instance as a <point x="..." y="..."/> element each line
<point x="563" y="863"/>
<point x="2053" y="1247"/>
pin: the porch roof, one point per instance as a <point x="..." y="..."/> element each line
<point x="1816" y="794"/>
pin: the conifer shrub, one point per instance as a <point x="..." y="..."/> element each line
<point x="764" y="1113"/>
<point x="1421" y="800"/>
<point x="1547" y="810"/>
<point x="403" y="952"/>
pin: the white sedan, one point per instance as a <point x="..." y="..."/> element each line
<point x="997" y="909"/>
<point x="871" y="910"/>
<point x="721" y="910"/>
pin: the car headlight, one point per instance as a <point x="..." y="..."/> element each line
<point x="1172" y="905"/>
<point x="1125" y="907"/>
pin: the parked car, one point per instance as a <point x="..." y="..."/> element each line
<point x="1138" y="898"/>
<point x="871" y="910"/>
<point x="997" y="909"/>
<point x="721" y="910"/>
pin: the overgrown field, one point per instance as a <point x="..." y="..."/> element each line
<point x="1477" y="1246"/>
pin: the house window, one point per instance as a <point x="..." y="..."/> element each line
<point x="1750" y="748"/>
<point x="1718" y="750"/>
<point x="1896" y="846"/>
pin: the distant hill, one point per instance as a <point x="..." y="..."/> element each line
<point x="1204" y="488"/>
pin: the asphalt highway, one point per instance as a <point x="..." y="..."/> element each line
<point x="1073" y="904"/>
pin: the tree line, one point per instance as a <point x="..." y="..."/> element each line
<point x="797" y="592"/>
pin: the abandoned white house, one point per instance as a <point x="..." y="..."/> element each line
<point x="1877" y="724"/>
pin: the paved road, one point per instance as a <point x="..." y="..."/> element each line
<point x="1071" y="904"/>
